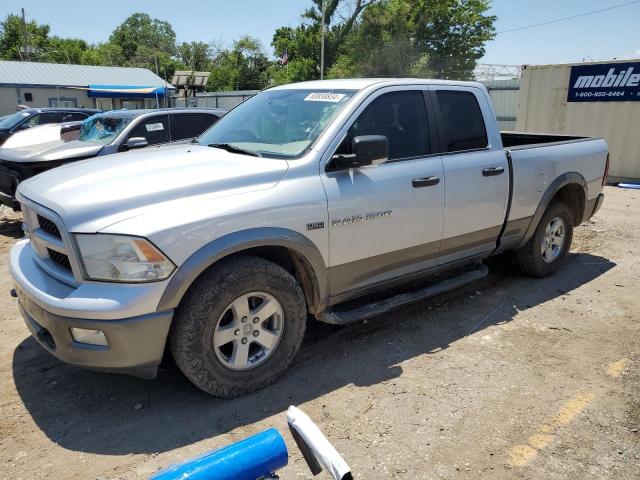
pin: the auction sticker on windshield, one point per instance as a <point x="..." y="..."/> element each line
<point x="324" y="97"/>
<point x="154" y="127"/>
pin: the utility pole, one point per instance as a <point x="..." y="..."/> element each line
<point x="155" y="50"/>
<point x="322" y="45"/>
<point x="26" y="38"/>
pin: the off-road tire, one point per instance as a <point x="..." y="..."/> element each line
<point x="529" y="258"/>
<point x="191" y="336"/>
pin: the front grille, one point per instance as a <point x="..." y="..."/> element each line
<point x="59" y="258"/>
<point x="50" y="243"/>
<point x="49" y="227"/>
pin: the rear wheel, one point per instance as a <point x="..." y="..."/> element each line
<point x="550" y="243"/>
<point x="239" y="327"/>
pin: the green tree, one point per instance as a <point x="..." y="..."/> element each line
<point x="243" y="66"/>
<point x="107" y="54"/>
<point x="453" y="33"/>
<point x="147" y="42"/>
<point x="436" y="38"/>
<point x="195" y="55"/>
<point x="12" y="38"/>
<point x="303" y="42"/>
<point x="302" y="47"/>
<point x="63" y="50"/>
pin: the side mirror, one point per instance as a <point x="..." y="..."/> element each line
<point x="136" y="142"/>
<point x="367" y="150"/>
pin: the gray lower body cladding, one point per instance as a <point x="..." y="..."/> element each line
<point x="355" y="277"/>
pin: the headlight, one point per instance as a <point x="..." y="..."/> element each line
<point x="122" y="258"/>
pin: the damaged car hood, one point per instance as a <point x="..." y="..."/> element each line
<point x="51" y="151"/>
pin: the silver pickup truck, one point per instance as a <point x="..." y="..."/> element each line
<point x="305" y="199"/>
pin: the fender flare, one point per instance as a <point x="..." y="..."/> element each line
<point x="235" y="242"/>
<point x="562" y="181"/>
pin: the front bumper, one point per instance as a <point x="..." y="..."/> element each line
<point x="136" y="339"/>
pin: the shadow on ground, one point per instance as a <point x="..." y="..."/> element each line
<point x="114" y="415"/>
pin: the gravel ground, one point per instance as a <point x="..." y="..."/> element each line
<point x="509" y="378"/>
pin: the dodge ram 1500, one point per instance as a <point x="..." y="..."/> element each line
<point x="299" y="201"/>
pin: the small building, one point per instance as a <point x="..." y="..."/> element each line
<point x="597" y="99"/>
<point x="35" y="84"/>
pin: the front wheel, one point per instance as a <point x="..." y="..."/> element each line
<point x="550" y="243"/>
<point x="239" y="326"/>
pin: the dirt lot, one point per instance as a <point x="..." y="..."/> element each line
<point x="509" y="378"/>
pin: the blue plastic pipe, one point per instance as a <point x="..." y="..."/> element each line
<point x="248" y="459"/>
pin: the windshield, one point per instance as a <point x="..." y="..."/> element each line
<point x="278" y="123"/>
<point x="11" y="121"/>
<point x="102" y="129"/>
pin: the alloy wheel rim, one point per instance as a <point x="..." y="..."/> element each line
<point x="553" y="240"/>
<point x="248" y="331"/>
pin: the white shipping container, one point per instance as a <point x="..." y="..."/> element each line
<point x="543" y="108"/>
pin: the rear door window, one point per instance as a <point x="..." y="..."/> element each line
<point x="190" y="125"/>
<point x="74" y="116"/>
<point x="42" y="119"/>
<point x="461" y="121"/>
<point x="155" y="129"/>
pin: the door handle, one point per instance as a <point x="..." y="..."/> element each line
<point x="425" y="182"/>
<point x="492" y="171"/>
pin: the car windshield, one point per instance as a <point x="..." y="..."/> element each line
<point x="102" y="129"/>
<point x="277" y="123"/>
<point x="11" y="121"/>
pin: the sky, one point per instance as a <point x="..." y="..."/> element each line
<point x="606" y="35"/>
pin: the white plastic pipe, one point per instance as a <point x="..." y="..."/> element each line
<point x="323" y="451"/>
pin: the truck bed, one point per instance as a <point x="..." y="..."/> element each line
<point x="520" y="140"/>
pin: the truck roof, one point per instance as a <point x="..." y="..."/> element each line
<point x="362" y="83"/>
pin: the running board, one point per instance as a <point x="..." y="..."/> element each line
<point x="384" y="306"/>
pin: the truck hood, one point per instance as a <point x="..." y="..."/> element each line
<point x="93" y="194"/>
<point x="50" y="151"/>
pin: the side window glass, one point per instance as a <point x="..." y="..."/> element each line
<point x="155" y="129"/>
<point x="31" y="122"/>
<point x="74" y="117"/>
<point x="190" y="125"/>
<point x="50" y="117"/>
<point x="399" y="116"/>
<point x="42" y="119"/>
<point x="462" y="124"/>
